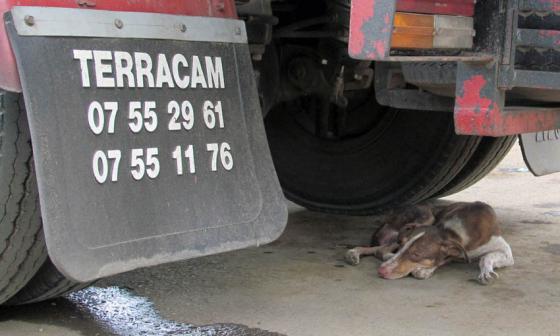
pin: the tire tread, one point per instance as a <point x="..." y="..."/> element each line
<point x="489" y="154"/>
<point x="22" y="247"/>
<point x="47" y="284"/>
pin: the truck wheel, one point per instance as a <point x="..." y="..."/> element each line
<point x="384" y="157"/>
<point x="22" y="246"/>
<point x="487" y="156"/>
<point x="47" y="284"/>
<point x="26" y="273"/>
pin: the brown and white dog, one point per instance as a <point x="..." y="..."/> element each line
<point x="460" y="231"/>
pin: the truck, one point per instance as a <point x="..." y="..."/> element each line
<point x="135" y="133"/>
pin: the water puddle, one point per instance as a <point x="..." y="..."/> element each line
<point x="122" y="313"/>
<point x="515" y="170"/>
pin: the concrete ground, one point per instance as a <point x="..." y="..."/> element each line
<point x="300" y="285"/>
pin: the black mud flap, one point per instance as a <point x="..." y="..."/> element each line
<point x="148" y="138"/>
<point x="541" y="151"/>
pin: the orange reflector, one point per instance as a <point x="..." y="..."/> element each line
<point x="413" y="31"/>
<point x="421" y="31"/>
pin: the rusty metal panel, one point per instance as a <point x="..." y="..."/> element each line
<point x="545" y="80"/>
<point x="511" y="121"/>
<point x="447" y="7"/>
<point x="540" y="5"/>
<point x="477" y="99"/>
<point x="480" y="106"/>
<point x="370" y="29"/>
<point x="536" y="38"/>
<point x="482" y="81"/>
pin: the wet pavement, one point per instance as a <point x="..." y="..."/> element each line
<point x="300" y="285"/>
<point x="111" y="311"/>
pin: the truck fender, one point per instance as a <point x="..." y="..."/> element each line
<point x="9" y="78"/>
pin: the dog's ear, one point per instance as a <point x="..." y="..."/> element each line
<point x="454" y="250"/>
<point x="410" y="226"/>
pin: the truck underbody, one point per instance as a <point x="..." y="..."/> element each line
<point x="367" y="104"/>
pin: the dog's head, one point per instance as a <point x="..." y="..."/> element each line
<point x="422" y="251"/>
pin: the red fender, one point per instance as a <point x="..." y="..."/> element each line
<point x="9" y="78"/>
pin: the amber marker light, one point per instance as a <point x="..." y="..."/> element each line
<point x="422" y="31"/>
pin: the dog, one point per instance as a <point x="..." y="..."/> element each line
<point x="398" y="224"/>
<point x="460" y="231"/>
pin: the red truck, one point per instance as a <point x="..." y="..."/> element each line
<point x="135" y="133"/>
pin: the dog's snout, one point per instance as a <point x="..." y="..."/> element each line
<point x="383" y="272"/>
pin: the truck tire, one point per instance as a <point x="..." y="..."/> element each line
<point x="26" y="273"/>
<point x="47" y="284"/>
<point x="407" y="157"/>
<point x="22" y="245"/>
<point x="488" y="155"/>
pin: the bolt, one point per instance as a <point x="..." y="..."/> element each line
<point x="358" y="77"/>
<point x="119" y="24"/>
<point x="324" y="61"/>
<point x="237" y="30"/>
<point x="86" y="3"/>
<point x="221" y="6"/>
<point x="182" y="27"/>
<point x="29" y="20"/>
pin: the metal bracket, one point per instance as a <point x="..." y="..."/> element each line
<point x="50" y="21"/>
<point x="390" y="91"/>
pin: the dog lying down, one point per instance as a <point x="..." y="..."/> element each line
<point x="419" y="239"/>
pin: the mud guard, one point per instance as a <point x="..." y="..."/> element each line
<point x="541" y="151"/>
<point x="118" y="189"/>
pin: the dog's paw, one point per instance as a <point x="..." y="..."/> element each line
<point x="352" y="257"/>
<point x="423" y="273"/>
<point x="487" y="277"/>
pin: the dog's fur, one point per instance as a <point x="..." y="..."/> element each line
<point x="460" y="231"/>
<point x="405" y="217"/>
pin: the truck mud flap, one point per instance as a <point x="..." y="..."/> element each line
<point x="541" y="151"/>
<point x="148" y="137"/>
